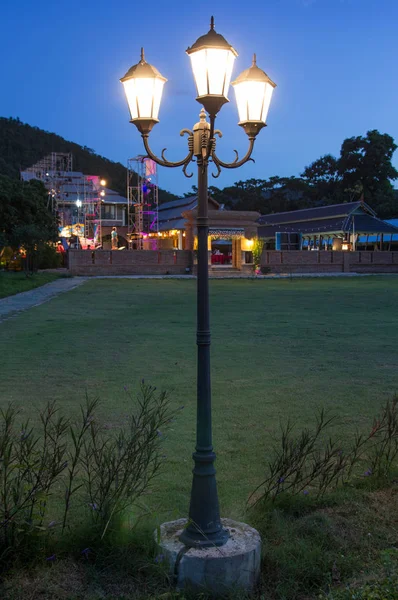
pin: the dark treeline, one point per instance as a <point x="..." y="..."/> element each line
<point x="362" y="171"/>
<point x="21" y="146"/>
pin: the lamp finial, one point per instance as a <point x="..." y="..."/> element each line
<point x="254" y="63"/>
<point x="142" y="55"/>
<point x="212" y="24"/>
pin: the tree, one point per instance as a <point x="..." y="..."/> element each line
<point x="323" y="180"/>
<point x="26" y="218"/>
<point x="363" y="170"/>
<point x="365" y="165"/>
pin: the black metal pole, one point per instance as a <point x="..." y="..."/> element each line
<point x="204" y="527"/>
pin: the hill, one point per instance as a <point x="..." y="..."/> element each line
<point x="22" y="145"/>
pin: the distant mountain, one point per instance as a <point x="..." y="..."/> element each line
<point x="21" y="146"/>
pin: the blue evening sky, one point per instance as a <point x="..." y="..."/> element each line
<point x="335" y="63"/>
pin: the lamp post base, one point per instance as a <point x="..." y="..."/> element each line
<point x="196" y="539"/>
<point x="217" y="570"/>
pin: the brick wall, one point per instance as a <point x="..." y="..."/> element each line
<point x="129" y="262"/>
<point x="327" y="261"/>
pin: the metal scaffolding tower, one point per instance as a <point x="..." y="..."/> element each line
<point x="92" y="209"/>
<point x="75" y="197"/>
<point x="51" y="170"/>
<point x="142" y="200"/>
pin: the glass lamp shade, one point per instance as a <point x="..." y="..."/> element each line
<point x="212" y="59"/>
<point x="143" y="86"/>
<point x="253" y="91"/>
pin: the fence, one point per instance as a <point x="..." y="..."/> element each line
<point x="129" y="262"/>
<point x="328" y="261"/>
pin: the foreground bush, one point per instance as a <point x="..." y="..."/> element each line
<point x="64" y="466"/>
<point x="306" y="463"/>
<point x="327" y="512"/>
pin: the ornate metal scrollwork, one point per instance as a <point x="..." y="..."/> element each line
<point x="235" y="163"/>
<point x="163" y="162"/>
<point x="215" y="175"/>
<point x="207" y="143"/>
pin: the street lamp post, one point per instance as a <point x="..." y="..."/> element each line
<point x="212" y="59"/>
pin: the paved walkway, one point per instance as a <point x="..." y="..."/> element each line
<point x="13" y="304"/>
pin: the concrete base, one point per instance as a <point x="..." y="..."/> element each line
<point x="217" y="570"/>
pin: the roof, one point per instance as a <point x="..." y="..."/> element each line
<point x="170" y="213"/>
<point x="334" y="218"/>
<point x="112" y="197"/>
<point x="368" y="224"/>
<point x="177" y="203"/>
<point x="315" y="213"/>
<point x="69" y="193"/>
<point x="305" y="227"/>
<point x="173" y="224"/>
<point x="173" y="210"/>
<point x="388" y="237"/>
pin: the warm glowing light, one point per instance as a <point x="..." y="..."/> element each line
<point x="102" y="193"/>
<point x="159" y="234"/>
<point x="103" y="182"/>
<point x="247" y="245"/>
<point x="253" y="99"/>
<point x="212" y="60"/>
<point x="143" y="97"/>
<point x="345" y="246"/>
<point x="253" y="91"/>
<point x="212" y="69"/>
<point x="143" y="85"/>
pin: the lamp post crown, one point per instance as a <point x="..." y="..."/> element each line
<point x="254" y="73"/>
<point x="202" y="120"/>
<point x="212" y="39"/>
<point x="142" y="70"/>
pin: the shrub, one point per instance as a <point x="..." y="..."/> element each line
<point x="79" y="463"/>
<point x="257" y="251"/>
<point x="304" y="462"/>
<point x="48" y="258"/>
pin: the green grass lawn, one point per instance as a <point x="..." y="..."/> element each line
<point x="13" y="283"/>
<point x="280" y="349"/>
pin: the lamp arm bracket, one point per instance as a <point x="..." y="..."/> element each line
<point x="163" y="162"/>
<point x="236" y="163"/>
<point x="215" y="175"/>
<point x="184" y="169"/>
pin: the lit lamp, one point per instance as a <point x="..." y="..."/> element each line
<point x="78" y="203"/>
<point x="143" y="85"/>
<point x="253" y="90"/>
<point x="345" y="245"/>
<point x="103" y="182"/>
<point x="212" y="59"/>
<point x="247" y="245"/>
